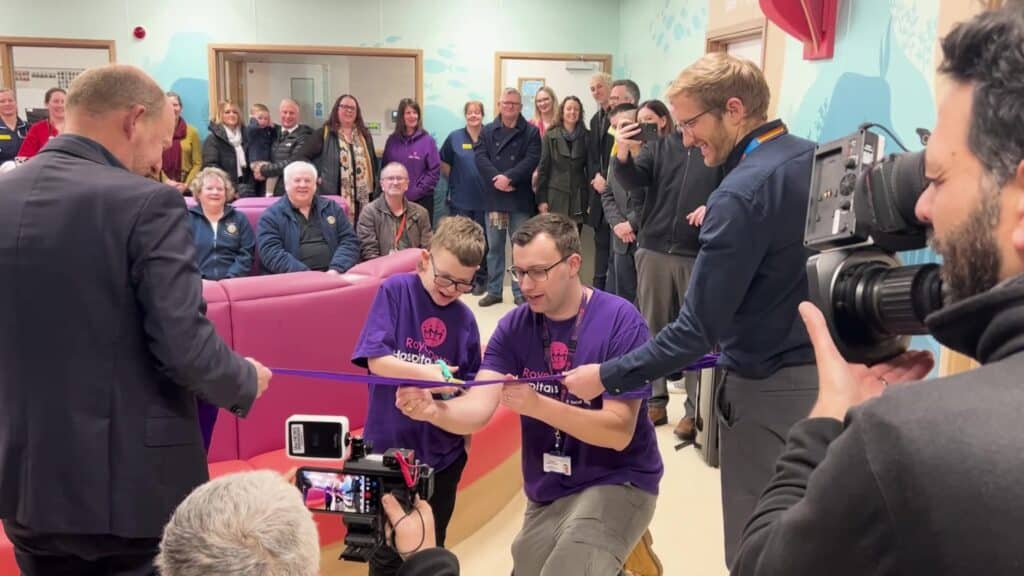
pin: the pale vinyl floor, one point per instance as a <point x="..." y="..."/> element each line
<point x="687" y="525"/>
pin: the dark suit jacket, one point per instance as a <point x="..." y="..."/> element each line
<point x="601" y="143"/>
<point x="103" y="347"/>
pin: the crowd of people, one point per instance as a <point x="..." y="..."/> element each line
<point x="826" y="467"/>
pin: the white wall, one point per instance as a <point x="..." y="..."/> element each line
<point x="563" y="81"/>
<point x="379" y="83"/>
<point x="49" y="67"/>
<point x="270" y="82"/>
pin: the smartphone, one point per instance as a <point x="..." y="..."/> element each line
<point x="333" y="491"/>
<point x="648" y="132"/>
<point x="317" y="437"/>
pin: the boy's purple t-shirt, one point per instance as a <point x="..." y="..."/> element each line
<point x="406" y="323"/>
<point x="611" y="327"/>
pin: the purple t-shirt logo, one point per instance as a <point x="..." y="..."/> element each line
<point x="434" y="331"/>
<point x="559" y="356"/>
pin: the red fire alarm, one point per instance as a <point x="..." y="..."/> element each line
<point x="139" y="32"/>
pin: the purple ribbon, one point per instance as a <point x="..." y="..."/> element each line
<point x="707" y="361"/>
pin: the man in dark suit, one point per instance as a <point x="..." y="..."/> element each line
<point x="103" y="342"/>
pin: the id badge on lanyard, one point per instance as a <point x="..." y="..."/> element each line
<point x="556" y="462"/>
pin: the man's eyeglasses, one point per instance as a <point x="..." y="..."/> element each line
<point x="535" y="274"/>
<point x="393" y="178"/>
<point x="688" y="124"/>
<point x="511" y="104"/>
<point x="448" y="282"/>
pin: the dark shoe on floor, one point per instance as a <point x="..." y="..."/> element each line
<point x="658" y="415"/>
<point x="686" y="429"/>
<point x="479" y="290"/>
<point x="489" y="300"/>
<point x="520" y="300"/>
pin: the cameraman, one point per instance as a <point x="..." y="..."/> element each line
<point x="926" y="479"/>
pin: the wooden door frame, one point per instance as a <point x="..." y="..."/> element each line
<point x="499" y="57"/>
<point x="214" y="51"/>
<point x="8" y="43"/>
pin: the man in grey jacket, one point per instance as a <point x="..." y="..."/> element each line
<point x="926" y="478"/>
<point x="391" y="222"/>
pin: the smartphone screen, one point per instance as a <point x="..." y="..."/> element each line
<point x="332" y="491"/>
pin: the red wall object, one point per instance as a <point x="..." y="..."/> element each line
<point x="812" y="22"/>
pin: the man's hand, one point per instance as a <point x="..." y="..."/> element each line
<point x="585" y="381"/>
<point x="417" y="403"/>
<point x="263" y="376"/>
<point x="842" y="385"/>
<point x="414" y="530"/>
<point x="624" y="230"/>
<point x="503" y="183"/>
<point x="598" y="183"/>
<point x="624" y="142"/>
<point x="696" y="218"/>
<point x="520" y="398"/>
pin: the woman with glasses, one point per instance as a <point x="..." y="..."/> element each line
<point x="344" y="155"/>
<point x="415" y="149"/>
<point x="546" y="113"/>
<point x="391" y="222"/>
<point x="41" y="132"/>
<point x="562" y="174"/>
<point x="12" y="128"/>
<point x="225" y="147"/>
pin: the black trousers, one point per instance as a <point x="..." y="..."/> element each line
<point x="602" y="252"/>
<point x="80" y="554"/>
<point x="386" y="561"/>
<point x="428" y="203"/>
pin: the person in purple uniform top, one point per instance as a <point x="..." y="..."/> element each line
<point x="417" y="321"/>
<point x="591" y="470"/>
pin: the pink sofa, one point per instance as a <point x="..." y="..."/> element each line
<point x="311" y="320"/>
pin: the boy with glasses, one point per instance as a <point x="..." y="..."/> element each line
<point x="418" y="329"/>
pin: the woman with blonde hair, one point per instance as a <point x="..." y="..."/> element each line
<point x="225" y="147"/>
<point x="546" y="112"/>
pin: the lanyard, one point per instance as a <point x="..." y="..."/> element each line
<point x="573" y="341"/>
<point x="766" y="137"/>
<point x="401" y="229"/>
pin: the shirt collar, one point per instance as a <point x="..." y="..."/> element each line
<point x="740" y="150"/>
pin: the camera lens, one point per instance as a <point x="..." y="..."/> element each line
<point x="874" y="302"/>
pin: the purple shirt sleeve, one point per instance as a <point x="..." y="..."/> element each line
<point x="378" y="336"/>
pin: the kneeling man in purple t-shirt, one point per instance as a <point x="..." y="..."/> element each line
<point x="590" y="470"/>
<point x="416" y="321"/>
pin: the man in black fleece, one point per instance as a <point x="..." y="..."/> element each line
<point x="926" y="479"/>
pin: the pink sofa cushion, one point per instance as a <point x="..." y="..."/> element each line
<point x="305" y="320"/>
<point x="397" y="263"/>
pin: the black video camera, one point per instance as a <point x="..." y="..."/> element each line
<point x="355" y="489"/>
<point x="860" y="213"/>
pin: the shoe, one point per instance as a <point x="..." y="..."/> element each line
<point x="686" y="429"/>
<point x="489" y="300"/>
<point x="658" y="415"/>
<point x="479" y="290"/>
<point x="642" y="561"/>
<point x="520" y="300"/>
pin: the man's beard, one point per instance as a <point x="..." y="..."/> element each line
<point x="970" y="254"/>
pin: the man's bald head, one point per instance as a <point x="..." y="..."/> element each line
<point x="124" y="110"/>
<point x="114" y="87"/>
